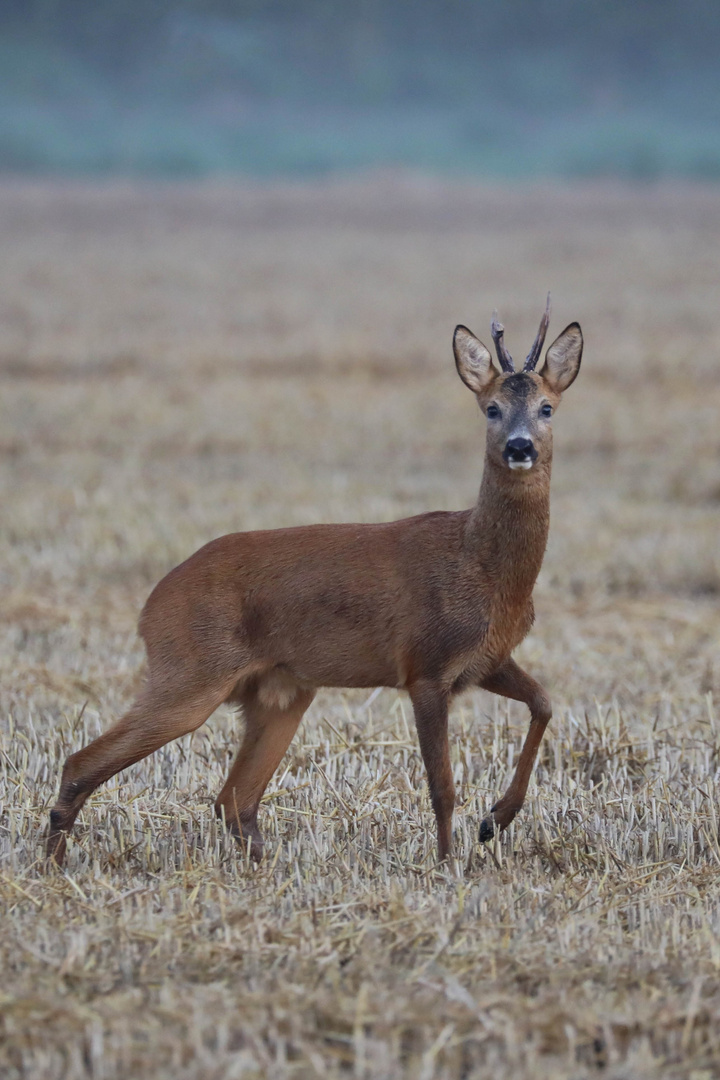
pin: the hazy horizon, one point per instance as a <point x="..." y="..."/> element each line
<point x="518" y="89"/>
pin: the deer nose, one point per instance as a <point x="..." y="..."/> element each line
<point x="519" y="450"/>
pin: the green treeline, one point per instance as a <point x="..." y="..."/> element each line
<point x="491" y="87"/>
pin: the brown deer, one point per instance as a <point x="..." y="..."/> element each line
<point x="431" y="604"/>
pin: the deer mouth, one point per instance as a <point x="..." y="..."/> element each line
<point x="520" y="453"/>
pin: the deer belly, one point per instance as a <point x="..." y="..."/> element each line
<point x="342" y="662"/>
<point x="333" y="639"/>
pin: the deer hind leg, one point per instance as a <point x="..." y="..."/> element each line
<point x="156" y="718"/>
<point x="512" y="682"/>
<point x="273" y="708"/>
<point x="430" y="705"/>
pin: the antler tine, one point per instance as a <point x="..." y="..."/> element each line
<point x="497" y="330"/>
<point x="534" y="354"/>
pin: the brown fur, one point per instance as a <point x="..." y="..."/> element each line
<point x="429" y="604"/>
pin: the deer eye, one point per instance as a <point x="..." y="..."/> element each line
<point x="493" y="413"/>
<point x="546" y="410"/>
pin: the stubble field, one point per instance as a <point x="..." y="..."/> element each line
<point x="177" y="363"/>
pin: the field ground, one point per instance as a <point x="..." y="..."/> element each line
<point x="176" y="363"/>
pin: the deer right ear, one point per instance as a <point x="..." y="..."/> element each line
<point x="562" y="360"/>
<point x="473" y="361"/>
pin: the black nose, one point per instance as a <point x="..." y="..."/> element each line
<point x="520" y="450"/>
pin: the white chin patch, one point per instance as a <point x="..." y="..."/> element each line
<point x="527" y="464"/>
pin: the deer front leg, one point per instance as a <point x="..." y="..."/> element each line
<point x="430" y="705"/>
<point x="511" y="681"/>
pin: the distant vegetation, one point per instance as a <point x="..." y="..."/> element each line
<point x="493" y="87"/>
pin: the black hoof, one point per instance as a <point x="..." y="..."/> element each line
<point x="487" y="830"/>
<point x="249" y="836"/>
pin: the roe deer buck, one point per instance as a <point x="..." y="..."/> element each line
<point x="431" y="604"/>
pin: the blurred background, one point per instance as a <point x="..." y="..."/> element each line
<point x="264" y="88"/>
<point x="236" y="239"/>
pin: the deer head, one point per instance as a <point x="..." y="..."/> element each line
<point x="519" y="405"/>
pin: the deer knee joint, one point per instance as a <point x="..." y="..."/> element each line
<point x="73" y="788"/>
<point x="541" y="708"/>
<point x="57" y="820"/>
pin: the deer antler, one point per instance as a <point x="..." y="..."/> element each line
<point x="497" y="330"/>
<point x="534" y="354"/>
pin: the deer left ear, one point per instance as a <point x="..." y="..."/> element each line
<point x="473" y="361"/>
<point x="562" y="360"/>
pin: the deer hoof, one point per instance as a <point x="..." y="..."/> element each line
<point x="55" y="851"/>
<point x="487" y="829"/>
<point x="56" y="842"/>
<point x="248" y="835"/>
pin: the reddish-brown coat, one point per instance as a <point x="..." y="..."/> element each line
<point x="430" y="604"/>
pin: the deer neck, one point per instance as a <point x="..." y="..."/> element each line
<point x="507" y="530"/>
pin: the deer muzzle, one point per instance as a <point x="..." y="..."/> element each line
<point x="520" y="453"/>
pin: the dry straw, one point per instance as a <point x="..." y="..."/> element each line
<point x="176" y="365"/>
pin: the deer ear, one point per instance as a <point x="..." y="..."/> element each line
<point x="562" y="360"/>
<point x="473" y="361"/>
